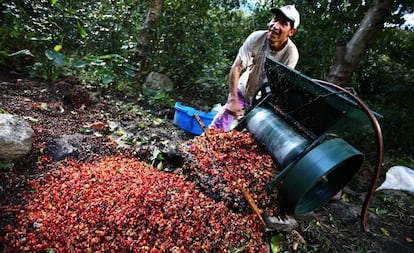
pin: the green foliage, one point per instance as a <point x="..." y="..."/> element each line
<point x="159" y="98"/>
<point x="89" y="31"/>
<point x="386" y="81"/>
<point x="196" y="44"/>
<point x="108" y="71"/>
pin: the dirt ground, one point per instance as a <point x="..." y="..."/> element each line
<point x="64" y="107"/>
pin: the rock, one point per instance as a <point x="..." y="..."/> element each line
<point x="15" y="137"/>
<point x="172" y="154"/>
<point x="64" y="146"/>
<point x="158" y="81"/>
<point x="348" y="213"/>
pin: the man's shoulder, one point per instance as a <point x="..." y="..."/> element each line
<point x="258" y="34"/>
<point x="255" y="40"/>
<point x="291" y="46"/>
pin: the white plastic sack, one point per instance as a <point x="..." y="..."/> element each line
<point x="398" y="178"/>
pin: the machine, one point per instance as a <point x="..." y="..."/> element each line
<point x="319" y="134"/>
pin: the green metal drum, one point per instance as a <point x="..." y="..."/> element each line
<point x="319" y="175"/>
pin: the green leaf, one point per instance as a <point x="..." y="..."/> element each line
<point x="129" y="143"/>
<point x="50" y="54"/>
<point x="160" y="166"/>
<point x="378" y="211"/>
<point x="129" y="72"/>
<point x="130" y="66"/>
<point x="385" y="231"/>
<point x="86" y="130"/>
<point x="71" y="11"/>
<point x="57" y="58"/>
<point x="81" y="30"/>
<point x="157" y="121"/>
<point x="31" y="119"/>
<point x="53" y="1"/>
<point x="24" y="52"/>
<point x="107" y="79"/>
<point x="79" y="64"/>
<point x="160" y="95"/>
<point x="276" y="243"/>
<point x="59" y="61"/>
<point x="6" y="165"/>
<point x="98" y="62"/>
<point x="108" y="56"/>
<point x="40" y="38"/>
<point x="155" y="153"/>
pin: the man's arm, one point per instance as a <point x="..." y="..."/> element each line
<point x="233" y="105"/>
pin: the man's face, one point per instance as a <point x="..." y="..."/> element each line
<point x="280" y="29"/>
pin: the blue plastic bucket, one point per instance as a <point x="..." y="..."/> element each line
<point x="185" y="120"/>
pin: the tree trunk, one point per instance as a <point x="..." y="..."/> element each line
<point x="147" y="36"/>
<point x="348" y="57"/>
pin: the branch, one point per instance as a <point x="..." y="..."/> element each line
<point x="348" y="58"/>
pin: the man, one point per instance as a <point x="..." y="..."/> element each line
<point x="274" y="43"/>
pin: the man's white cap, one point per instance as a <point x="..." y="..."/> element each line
<point x="288" y="11"/>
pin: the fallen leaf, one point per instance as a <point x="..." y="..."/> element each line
<point x="86" y="130"/>
<point x="385" y="231"/>
<point x="41" y="106"/>
<point x="157" y="121"/>
<point x="345" y="197"/>
<point x="31" y="119"/>
<point x="276" y="243"/>
<point x="160" y="166"/>
<point x="129" y="143"/>
<point x="98" y="126"/>
<point x="97" y="134"/>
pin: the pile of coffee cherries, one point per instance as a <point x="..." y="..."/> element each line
<point x="120" y="204"/>
<point x="224" y="163"/>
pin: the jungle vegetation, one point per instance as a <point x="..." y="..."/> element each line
<point x="115" y="44"/>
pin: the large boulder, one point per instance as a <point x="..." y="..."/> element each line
<point x="15" y="137"/>
<point x="159" y="82"/>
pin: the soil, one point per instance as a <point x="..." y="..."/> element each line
<point x="107" y="124"/>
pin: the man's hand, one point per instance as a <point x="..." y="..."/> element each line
<point x="234" y="109"/>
